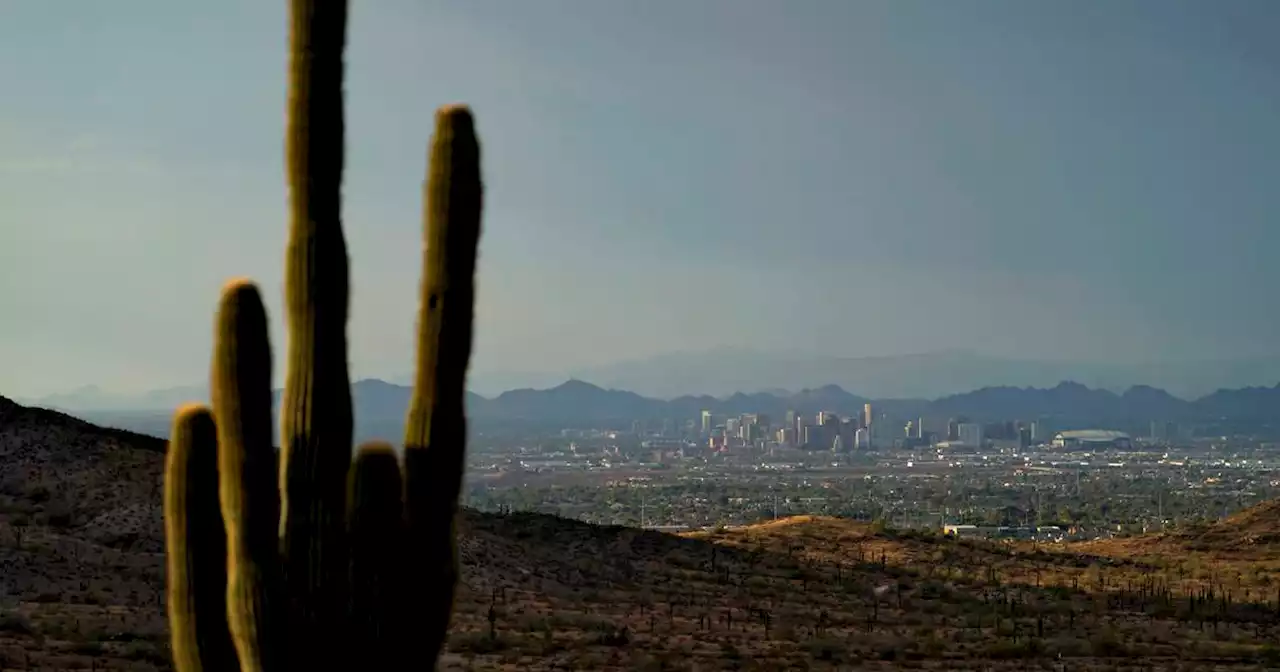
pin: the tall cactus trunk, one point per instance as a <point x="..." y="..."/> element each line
<point x="315" y="422"/>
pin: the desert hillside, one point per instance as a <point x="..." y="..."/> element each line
<point x="1251" y="535"/>
<point x="82" y="585"/>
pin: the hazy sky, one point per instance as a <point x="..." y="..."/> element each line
<point x="1050" y="179"/>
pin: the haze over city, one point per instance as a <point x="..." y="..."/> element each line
<point x="1036" y="181"/>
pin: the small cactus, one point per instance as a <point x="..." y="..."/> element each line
<point x="290" y="563"/>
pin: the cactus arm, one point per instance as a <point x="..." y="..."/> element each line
<point x="316" y="416"/>
<point x="241" y="388"/>
<point x="436" y="432"/>
<point x="196" y="574"/>
<point x="375" y="529"/>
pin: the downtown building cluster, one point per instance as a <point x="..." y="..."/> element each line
<point x="828" y="431"/>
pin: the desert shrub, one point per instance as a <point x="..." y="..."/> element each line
<point x="1068" y="647"/>
<point x="1105" y="643"/>
<point x="87" y="648"/>
<point x="531" y="623"/>
<point x="828" y="650"/>
<point x="16" y="624"/>
<point x="1007" y="649"/>
<point x="148" y="652"/>
<point x="580" y="621"/>
<point x="477" y="642"/>
<point x="618" y="638"/>
<point x="932" y="645"/>
<point x="933" y="590"/>
<point x="60" y="518"/>
<point x="888" y="652"/>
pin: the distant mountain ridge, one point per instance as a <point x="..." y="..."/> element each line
<point x="916" y="376"/>
<point x="380" y="406"/>
<point x="725" y="371"/>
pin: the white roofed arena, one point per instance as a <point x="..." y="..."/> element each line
<point x="1092" y="439"/>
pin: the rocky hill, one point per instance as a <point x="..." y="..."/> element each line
<point x="82" y="586"/>
<point x="65" y="474"/>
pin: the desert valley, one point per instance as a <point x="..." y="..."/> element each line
<point x="82" y="587"/>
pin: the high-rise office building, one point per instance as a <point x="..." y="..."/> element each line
<point x="1042" y="431"/>
<point x="970" y="434"/>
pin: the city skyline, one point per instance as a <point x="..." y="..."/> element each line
<point x="836" y="178"/>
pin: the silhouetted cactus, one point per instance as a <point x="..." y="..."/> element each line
<point x="376" y="537"/>
<point x="323" y="556"/>
<point x="196" y="577"/>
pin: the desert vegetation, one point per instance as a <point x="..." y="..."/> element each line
<point x="541" y="592"/>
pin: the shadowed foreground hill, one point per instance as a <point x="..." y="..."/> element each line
<point x="64" y="474"/>
<point x="82" y="587"/>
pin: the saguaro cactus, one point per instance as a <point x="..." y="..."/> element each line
<point x="323" y="555"/>
<point x="196" y="573"/>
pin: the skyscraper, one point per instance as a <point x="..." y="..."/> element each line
<point x="971" y="434"/>
<point x="1042" y="431"/>
<point x="867" y="415"/>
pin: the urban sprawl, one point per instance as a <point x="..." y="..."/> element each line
<point x="1014" y="478"/>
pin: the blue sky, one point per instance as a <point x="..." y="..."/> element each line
<point x="1051" y="179"/>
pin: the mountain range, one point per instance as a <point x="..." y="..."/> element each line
<point x="723" y="371"/>
<point x="379" y="407"/>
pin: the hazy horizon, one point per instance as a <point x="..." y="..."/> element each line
<point x="723" y="373"/>
<point x="1065" y="182"/>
